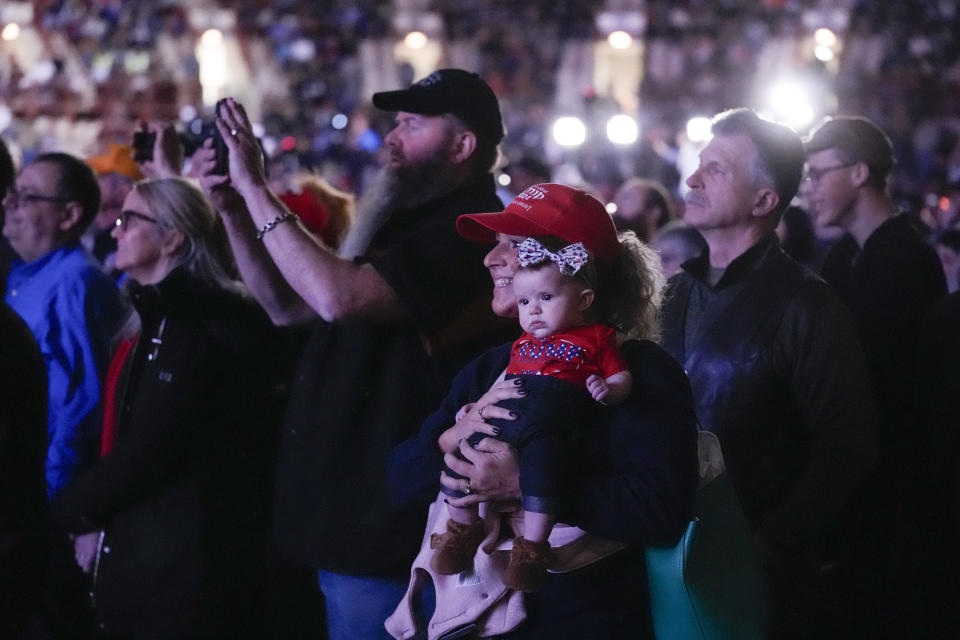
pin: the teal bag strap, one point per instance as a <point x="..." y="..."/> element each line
<point x="710" y="586"/>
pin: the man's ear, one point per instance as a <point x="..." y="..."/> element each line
<point x="72" y="214"/>
<point x="464" y="144"/>
<point x="766" y="201"/>
<point x="859" y="174"/>
<point x="586" y="299"/>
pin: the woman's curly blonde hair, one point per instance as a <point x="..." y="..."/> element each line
<point x="632" y="290"/>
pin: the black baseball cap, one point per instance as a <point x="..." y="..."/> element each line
<point x="454" y="91"/>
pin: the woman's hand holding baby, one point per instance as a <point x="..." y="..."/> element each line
<point x="472" y="418"/>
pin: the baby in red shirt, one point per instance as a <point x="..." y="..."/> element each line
<point x="565" y="359"/>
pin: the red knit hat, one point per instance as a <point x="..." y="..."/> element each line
<point x="549" y="210"/>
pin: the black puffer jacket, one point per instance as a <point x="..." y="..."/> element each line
<point x="183" y="495"/>
<point x="778" y="374"/>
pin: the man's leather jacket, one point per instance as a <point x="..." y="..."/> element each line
<point x="778" y="374"/>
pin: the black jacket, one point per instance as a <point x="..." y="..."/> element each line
<point x="23" y="436"/>
<point x="778" y="374"/>
<point x="889" y="285"/>
<point x="183" y="495"/>
<point x="362" y="388"/>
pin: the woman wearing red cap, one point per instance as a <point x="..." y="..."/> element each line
<point x="631" y="482"/>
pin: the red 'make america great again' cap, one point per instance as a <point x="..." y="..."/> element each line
<point x="549" y="210"/>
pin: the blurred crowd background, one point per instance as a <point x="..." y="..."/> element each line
<point x="599" y="91"/>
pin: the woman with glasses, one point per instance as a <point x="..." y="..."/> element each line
<point x="180" y="494"/>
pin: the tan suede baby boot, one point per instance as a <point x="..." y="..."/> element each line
<point x="453" y="551"/>
<point x="528" y="565"/>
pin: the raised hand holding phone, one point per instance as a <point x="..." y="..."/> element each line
<point x="246" y="169"/>
<point x="143" y="141"/>
<point x="157" y="150"/>
<point x="222" y="165"/>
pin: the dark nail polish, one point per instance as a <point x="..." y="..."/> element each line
<point x="496" y="431"/>
<point x="521" y="393"/>
<point x="518" y="382"/>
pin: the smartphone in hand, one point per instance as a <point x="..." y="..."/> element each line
<point x="222" y="167"/>
<point x="143" y="142"/>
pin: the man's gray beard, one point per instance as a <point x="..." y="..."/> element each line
<point x="373" y="209"/>
<point x="395" y="190"/>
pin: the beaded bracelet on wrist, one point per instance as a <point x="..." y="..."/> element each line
<point x="283" y="217"/>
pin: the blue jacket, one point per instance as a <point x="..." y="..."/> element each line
<point x="73" y="310"/>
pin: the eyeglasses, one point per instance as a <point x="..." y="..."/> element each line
<point x="15" y="198"/>
<point x="124" y="219"/>
<point x="813" y="176"/>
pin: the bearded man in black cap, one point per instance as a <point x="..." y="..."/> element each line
<point x="395" y="314"/>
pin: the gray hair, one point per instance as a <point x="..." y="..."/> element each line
<point x="780" y="156"/>
<point x="180" y="206"/>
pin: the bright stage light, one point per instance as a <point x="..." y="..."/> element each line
<point x="11" y="32"/>
<point x="823" y="53"/>
<point x="569" y="131"/>
<point x="620" y="40"/>
<point x="698" y="129"/>
<point x="825" y="37"/>
<point x="622" y="129"/>
<point x="211" y="55"/>
<point x="211" y="37"/>
<point x="415" y="40"/>
<point x="789" y="102"/>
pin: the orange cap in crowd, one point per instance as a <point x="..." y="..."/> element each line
<point x="117" y="159"/>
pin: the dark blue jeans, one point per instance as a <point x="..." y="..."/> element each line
<point x="358" y="605"/>
<point x="548" y="419"/>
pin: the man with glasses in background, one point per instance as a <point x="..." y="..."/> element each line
<point x="882" y="268"/>
<point x="73" y="310"/>
<point x="889" y="277"/>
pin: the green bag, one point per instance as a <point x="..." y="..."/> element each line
<point x="710" y="586"/>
